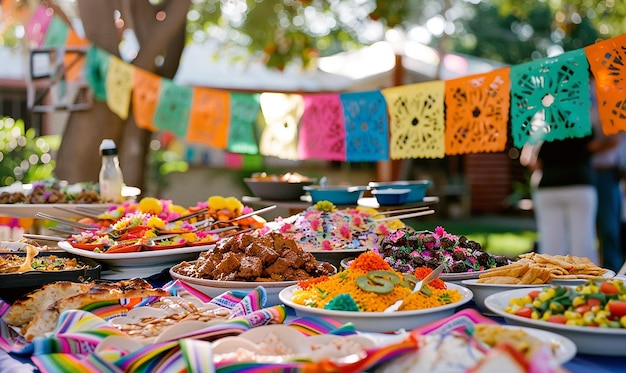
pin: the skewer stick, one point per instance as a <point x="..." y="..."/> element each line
<point x="77" y="211"/>
<point x="71" y="223"/>
<point x="257" y="212"/>
<point x="389" y="212"/>
<point x="38" y="237"/>
<point x="406" y="216"/>
<point x="189" y="216"/>
<point x="89" y="210"/>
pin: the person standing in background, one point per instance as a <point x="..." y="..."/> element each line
<point x="606" y="178"/>
<point x="564" y="198"/>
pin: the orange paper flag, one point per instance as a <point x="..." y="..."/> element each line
<point x="209" y="118"/>
<point x="146" y="91"/>
<point x="477" y="112"/>
<point x="416" y="120"/>
<point x="74" y="62"/>
<point x="607" y="61"/>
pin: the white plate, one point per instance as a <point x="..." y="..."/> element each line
<point x="141" y="258"/>
<point x="214" y="288"/>
<point x="579" y="281"/>
<point x="30" y="210"/>
<point x="588" y="340"/>
<point x="371" y="202"/>
<point x="482" y="291"/>
<point x="447" y="277"/>
<point x="380" y="321"/>
<point x="335" y="257"/>
<point x="460" y="276"/>
<point x="342" y="251"/>
<point x="564" y="348"/>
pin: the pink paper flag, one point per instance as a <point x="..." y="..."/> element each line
<point x="37" y="26"/>
<point x="322" y="129"/>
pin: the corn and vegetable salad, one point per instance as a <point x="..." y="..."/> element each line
<point x="595" y="304"/>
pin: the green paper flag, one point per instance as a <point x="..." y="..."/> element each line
<point x="96" y="69"/>
<point x="172" y="112"/>
<point x="56" y="35"/>
<point x="241" y="133"/>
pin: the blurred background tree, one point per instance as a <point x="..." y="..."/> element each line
<point x="510" y="31"/>
<point x="24" y="157"/>
<point x="287" y="32"/>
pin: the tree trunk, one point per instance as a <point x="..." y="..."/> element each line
<point x="78" y="158"/>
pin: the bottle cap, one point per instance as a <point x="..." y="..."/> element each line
<point x="107" y="147"/>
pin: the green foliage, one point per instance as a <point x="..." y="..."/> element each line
<point x="163" y="161"/>
<point x="23" y="156"/>
<point x="295" y="32"/>
<point x="283" y="32"/>
<point x="287" y="32"/>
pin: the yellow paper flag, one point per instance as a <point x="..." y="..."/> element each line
<point x="282" y="114"/>
<point x="119" y="85"/>
<point x="416" y="120"/>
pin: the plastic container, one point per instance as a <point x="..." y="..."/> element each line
<point x="111" y="177"/>
<point x="391" y="196"/>
<point x="418" y="188"/>
<point x="337" y="194"/>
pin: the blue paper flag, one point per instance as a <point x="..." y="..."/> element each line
<point x="367" y="126"/>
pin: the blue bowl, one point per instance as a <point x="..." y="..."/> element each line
<point x="418" y="188"/>
<point x="391" y="196"/>
<point x="337" y="194"/>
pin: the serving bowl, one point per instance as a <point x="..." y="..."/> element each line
<point x="481" y="291"/>
<point x="588" y="340"/>
<point x="379" y="322"/>
<point x="391" y="196"/>
<point x="277" y="190"/>
<point x="337" y="194"/>
<point x="15" y="285"/>
<point x="418" y="188"/>
<point x="214" y="288"/>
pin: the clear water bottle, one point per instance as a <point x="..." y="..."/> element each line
<point x="111" y="178"/>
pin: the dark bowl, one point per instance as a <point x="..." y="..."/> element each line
<point x="418" y="188"/>
<point x="276" y="190"/>
<point x="15" y="285"/>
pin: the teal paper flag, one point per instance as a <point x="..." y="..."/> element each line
<point x="56" y="35"/>
<point x="96" y="68"/>
<point x="550" y="99"/>
<point x="243" y="117"/>
<point x="172" y="112"/>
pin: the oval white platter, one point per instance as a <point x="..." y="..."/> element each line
<point x="214" y="288"/>
<point x="380" y="321"/>
<point x="140" y="258"/>
<point x="588" y="340"/>
<point x="564" y="349"/>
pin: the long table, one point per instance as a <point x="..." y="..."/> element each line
<point x="580" y="364"/>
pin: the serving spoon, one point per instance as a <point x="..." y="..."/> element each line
<point x="418" y="286"/>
